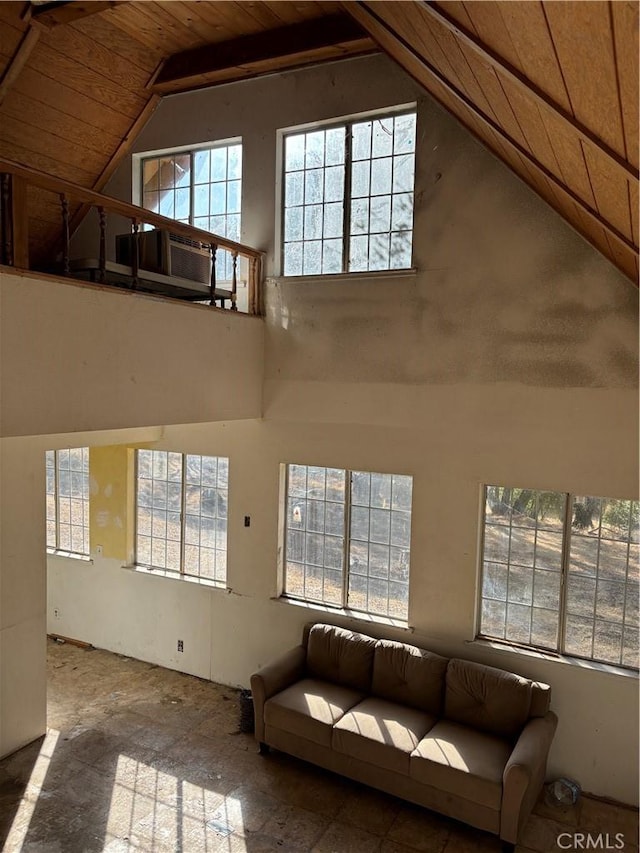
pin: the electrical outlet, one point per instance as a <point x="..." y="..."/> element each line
<point x="56" y="614"/>
<point x="180" y="646"/>
<point x="99" y="550"/>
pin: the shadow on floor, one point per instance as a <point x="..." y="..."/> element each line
<point x="140" y="758"/>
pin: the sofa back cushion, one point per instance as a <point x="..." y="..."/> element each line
<point x="344" y="657"/>
<point x="410" y="676"/>
<point x="540" y="699"/>
<point x="487" y="698"/>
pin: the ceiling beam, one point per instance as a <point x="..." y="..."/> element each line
<point x="528" y="87"/>
<point x="381" y="32"/>
<point x="118" y="156"/>
<point x="67" y="11"/>
<point x="18" y="60"/>
<point x="281" y="48"/>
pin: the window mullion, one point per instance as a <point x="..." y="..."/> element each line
<point x="192" y="189"/>
<point x="626" y="582"/>
<point x="595" y="601"/>
<point x="283" y="588"/>
<point x="564" y="572"/>
<point x="183" y="513"/>
<point x="346" y="200"/>
<point x="347" y="539"/>
<point x="480" y="596"/>
<point x="56" y="493"/>
<point x="136" y="468"/>
<point x="282" y="223"/>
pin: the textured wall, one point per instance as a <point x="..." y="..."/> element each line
<point x="509" y="356"/>
<point x="76" y="357"/>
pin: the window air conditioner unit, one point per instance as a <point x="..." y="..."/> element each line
<point x="167" y="254"/>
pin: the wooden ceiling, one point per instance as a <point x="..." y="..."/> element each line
<point x="550" y="87"/>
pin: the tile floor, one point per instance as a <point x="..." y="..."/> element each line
<point x="140" y="758"/>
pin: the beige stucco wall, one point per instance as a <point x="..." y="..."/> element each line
<point x="509" y="356"/>
<point x="75" y="357"/>
<point x="22" y="596"/>
<point x="228" y="634"/>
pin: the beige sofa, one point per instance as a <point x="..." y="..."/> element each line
<point x="463" y="739"/>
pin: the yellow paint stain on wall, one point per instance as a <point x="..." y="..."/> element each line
<point x="111" y="519"/>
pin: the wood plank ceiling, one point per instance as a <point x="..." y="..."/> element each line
<point x="550" y="87"/>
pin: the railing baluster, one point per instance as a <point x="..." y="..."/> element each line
<point x="102" y="216"/>
<point x="5" y="247"/>
<point x="65" y="234"/>
<point x="15" y="181"/>
<point x="253" y="286"/>
<point x="19" y="223"/>
<point x="234" y="283"/>
<point x="135" y="265"/>
<point x="214" y="250"/>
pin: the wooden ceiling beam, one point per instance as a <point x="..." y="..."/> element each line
<point x="528" y="87"/>
<point x="268" y="45"/>
<point x="18" y="61"/>
<point x="378" y="27"/>
<point x="118" y="156"/>
<point x="67" y="11"/>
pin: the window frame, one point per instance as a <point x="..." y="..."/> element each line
<point x="347" y="538"/>
<point x="224" y="263"/>
<point x="560" y="649"/>
<point x="180" y="573"/>
<point x="347" y="122"/>
<point x="86" y="517"/>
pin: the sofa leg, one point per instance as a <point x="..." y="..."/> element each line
<point x="263" y="748"/>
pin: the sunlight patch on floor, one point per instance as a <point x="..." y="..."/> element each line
<point x="151" y="808"/>
<point x="20" y="826"/>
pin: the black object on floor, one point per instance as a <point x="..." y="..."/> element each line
<point x="247" y="722"/>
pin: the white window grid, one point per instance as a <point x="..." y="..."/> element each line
<point x="67" y="500"/>
<point x="201" y="187"/>
<point x="552" y="584"/>
<point x="181" y="513"/>
<point x="347" y="539"/>
<point x="348" y="196"/>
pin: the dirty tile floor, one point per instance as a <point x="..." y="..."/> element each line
<point x="140" y="758"/>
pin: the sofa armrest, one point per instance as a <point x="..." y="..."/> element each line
<point x="524" y="774"/>
<point x="272" y="678"/>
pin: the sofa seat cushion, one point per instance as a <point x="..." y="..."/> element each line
<point x="310" y="708"/>
<point x="382" y="733"/>
<point x="462" y="761"/>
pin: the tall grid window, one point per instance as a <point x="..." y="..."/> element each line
<point x="68" y="500"/>
<point x="561" y="572"/>
<point x="348" y="538"/>
<point x="348" y="196"/>
<point x="202" y="187"/>
<point x="181" y="513"/>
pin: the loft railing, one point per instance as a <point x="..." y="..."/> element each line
<point x="15" y="215"/>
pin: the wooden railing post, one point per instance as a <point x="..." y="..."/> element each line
<point x="254" y="285"/>
<point x="64" y="201"/>
<point x="5" y="219"/>
<point x="19" y="224"/>
<point x="102" y="258"/>
<point x="234" y="283"/>
<point x="214" y="251"/>
<point x="135" y="260"/>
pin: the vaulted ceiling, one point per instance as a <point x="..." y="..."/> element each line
<point x="550" y="87"/>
